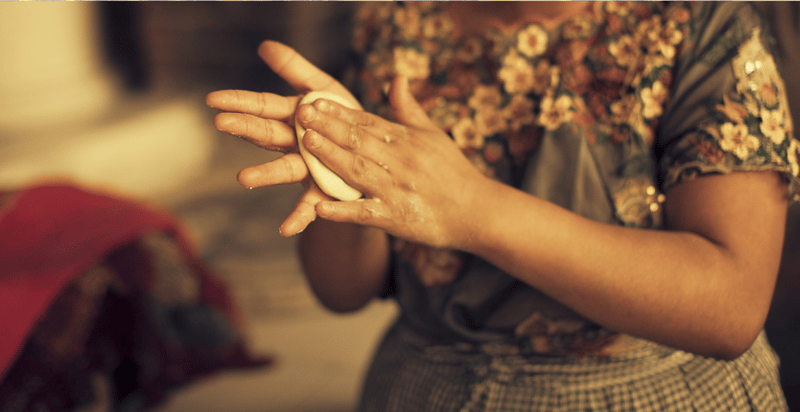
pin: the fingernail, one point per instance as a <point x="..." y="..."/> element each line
<point x="307" y="113"/>
<point x="312" y="139"/>
<point x="323" y="105"/>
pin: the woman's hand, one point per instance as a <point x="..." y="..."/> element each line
<point x="417" y="183"/>
<point x="267" y="120"/>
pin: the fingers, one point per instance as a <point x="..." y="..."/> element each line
<point x="367" y="212"/>
<point x="297" y="71"/>
<point x="304" y="212"/>
<point x="266" y="133"/>
<point x="289" y="168"/>
<point x="362" y="173"/>
<point x="355" y="130"/>
<point x="264" y="105"/>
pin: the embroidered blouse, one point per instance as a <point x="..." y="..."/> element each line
<point x="600" y="115"/>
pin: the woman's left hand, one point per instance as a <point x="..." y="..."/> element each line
<point x="417" y="184"/>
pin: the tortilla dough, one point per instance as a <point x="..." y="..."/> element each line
<point x="326" y="179"/>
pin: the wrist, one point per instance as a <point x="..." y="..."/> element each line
<point x="474" y="214"/>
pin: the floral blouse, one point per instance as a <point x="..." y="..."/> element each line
<point x="600" y="115"/>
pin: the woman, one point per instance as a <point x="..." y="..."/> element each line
<point x="577" y="206"/>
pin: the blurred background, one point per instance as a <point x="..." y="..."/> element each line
<point x="111" y="95"/>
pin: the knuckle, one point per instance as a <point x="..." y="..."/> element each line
<point x="354" y="136"/>
<point x="364" y="119"/>
<point x="261" y="100"/>
<point x="360" y="166"/>
<point x="289" y="169"/>
<point x="266" y="130"/>
<point x="367" y="213"/>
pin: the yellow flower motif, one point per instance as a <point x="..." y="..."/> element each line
<point x="519" y="112"/>
<point x="517" y="74"/>
<point x="621" y="109"/>
<point x="772" y="125"/>
<point x="532" y="41"/>
<point x="651" y="62"/>
<point x="465" y="134"/>
<point x="652" y="99"/>
<point x="661" y="37"/>
<point x="485" y="97"/>
<point x="555" y="112"/>
<point x="411" y="64"/>
<point x="738" y="140"/>
<point x="624" y="51"/>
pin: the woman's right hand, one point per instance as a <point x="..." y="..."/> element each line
<point x="267" y="120"/>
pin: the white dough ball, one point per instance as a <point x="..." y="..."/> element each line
<point x="326" y="179"/>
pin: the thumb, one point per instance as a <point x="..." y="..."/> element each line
<point x="405" y="107"/>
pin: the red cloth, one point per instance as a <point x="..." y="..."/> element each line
<point x="49" y="235"/>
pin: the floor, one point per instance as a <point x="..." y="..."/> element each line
<point x="321" y="356"/>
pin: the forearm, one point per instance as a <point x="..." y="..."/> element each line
<point x="676" y="287"/>
<point x="346" y="264"/>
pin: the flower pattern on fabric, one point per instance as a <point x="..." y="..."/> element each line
<point x="502" y="90"/>
<point x="756" y="125"/>
<point x="606" y="74"/>
<point x="751" y="128"/>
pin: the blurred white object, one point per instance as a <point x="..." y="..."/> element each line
<point x="63" y="114"/>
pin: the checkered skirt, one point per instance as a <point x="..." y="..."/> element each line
<point x="409" y="376"/>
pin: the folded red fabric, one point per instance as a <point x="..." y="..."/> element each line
<point x="50" y="234"/>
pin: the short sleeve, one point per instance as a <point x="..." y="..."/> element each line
<point x="728" y="111"/>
